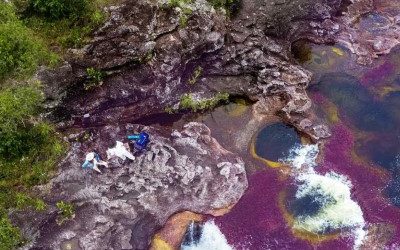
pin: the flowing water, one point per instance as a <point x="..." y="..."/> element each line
<point x="343" y="194"/>
<point x="351" y="194"/>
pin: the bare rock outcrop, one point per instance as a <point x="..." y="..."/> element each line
<point x="124" y="206"/>
<point x="149" y="55"/>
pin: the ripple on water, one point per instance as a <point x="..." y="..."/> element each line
<point x="275" y="141"/>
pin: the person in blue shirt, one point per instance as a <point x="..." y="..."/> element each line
<point x="92" y="161"/>
<point x="140" y="140"/>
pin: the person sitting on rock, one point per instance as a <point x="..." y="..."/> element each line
<point x="92" y="160"/>
<point x="121" y="151"/>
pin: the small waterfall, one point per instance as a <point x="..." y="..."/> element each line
<point x="204" y="236"/>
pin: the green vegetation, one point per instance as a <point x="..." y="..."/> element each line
<point x="169" y="110"/>
<point x="196" y="75"/>
<point x="24" y="201"/>
<point x="187" y="102"/>
<point x="178" y="3"/>
<point x="10" y="237"/>
<point x="20" y="50"/>
<point x="59" y="9"/>
<point x="61" y="23"/>
<point x="230" y="6"/>
<point x="95" y="78"/>
<point x="66" y="211"/>
<point x="31" y="33"/>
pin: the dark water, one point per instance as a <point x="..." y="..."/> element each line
<point x="275" y="141"/>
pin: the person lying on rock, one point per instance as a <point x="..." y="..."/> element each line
<point x="121" y="151"/>
<point x="92" y="160"/>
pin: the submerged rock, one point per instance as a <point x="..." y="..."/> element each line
<point x="124" y="206"/>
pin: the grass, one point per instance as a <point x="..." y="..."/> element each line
<point x="188" y="102"/>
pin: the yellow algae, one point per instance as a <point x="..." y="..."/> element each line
<point x="312" y="238"/>
<point x="338" y="51"/>
<point x="387" y="90"/>
<point x="160" y="244"/>
<point x="272" y="164"/>
<point x="237" y="109"/>
<point x="174" y="230"/>
<point x="338" y="210"/>
<point x="333" y="114"/>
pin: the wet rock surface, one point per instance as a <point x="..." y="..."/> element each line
<point x="148" y="58"/>
<point x="123" y="207"/>
<point x="370" y="28"/>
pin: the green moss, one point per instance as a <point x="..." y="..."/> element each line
<point x="187" y="102"/>
<point x="196" y="75"/>
<point x="178" y="3"/>
<point x="66" y="211"/>
<point x="169" y="110"/>
<point x="228" y="5"/>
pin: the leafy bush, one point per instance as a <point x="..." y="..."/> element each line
<point x="23" y="201"/>
<point x="20" y="52"/>
<point x="95" y="78"/>
<point x="7" y="13"/>
<point x="10" y="236"/>
<point x="17" y="135"/>
<point x="66" y="211"/>
<point x="59" y="9"/>
<point x="230" y="6"/>
<point x="65" y="30"/>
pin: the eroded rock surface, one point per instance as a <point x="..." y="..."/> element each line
<point x="149" y="57"/>
<point x="370" y="28"/>
<point x="124" y="206"/>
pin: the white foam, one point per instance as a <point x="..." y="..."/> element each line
<point x="211" y="239"/>
<point x="339" y="210"/>
<point x="302" y="156"/>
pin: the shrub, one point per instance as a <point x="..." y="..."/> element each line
<point x="231" y="6"/>
<point x="23" y="201"/>
<point x="66" y="31"/>
<point x="59" y="9"/>
<point x="95" y="78"/>
<point x="7" y="13"/>
<point x="10" y="236"/>
<point x="17" y="134"/>
<point x="20" y="53"/>
<point x="66" y="211"/>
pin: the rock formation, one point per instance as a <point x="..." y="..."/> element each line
<point x="147" y="55"/>
<point x="124" y="206"/>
